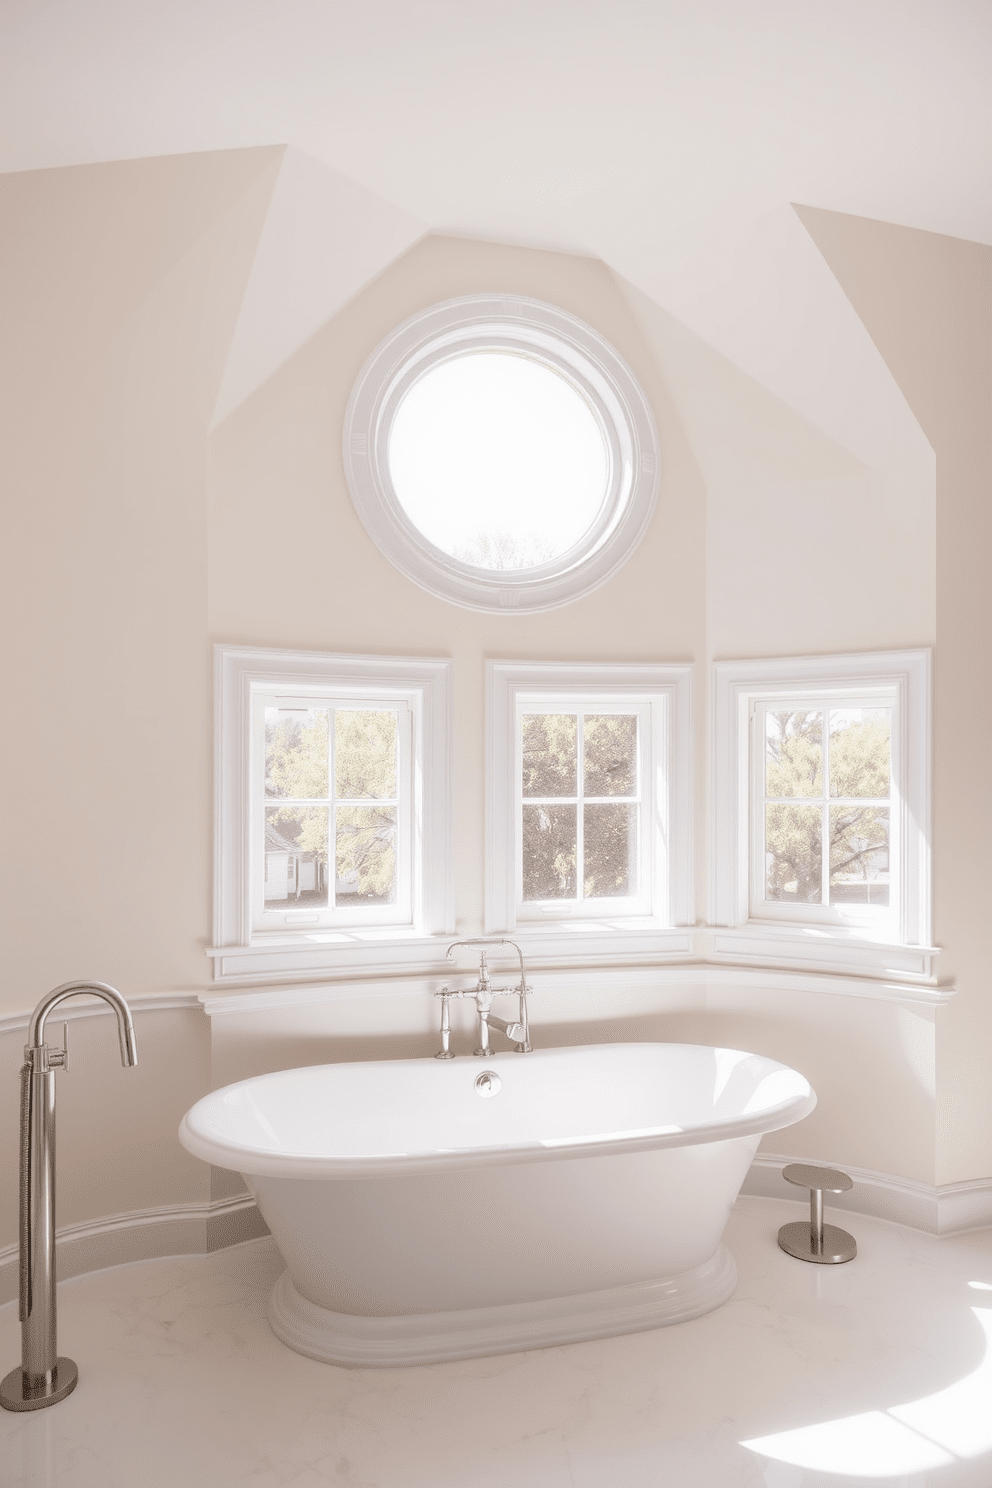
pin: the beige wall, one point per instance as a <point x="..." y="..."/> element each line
<point x="291" y="565"/>
<point x="927" y="302"/>
<point x="133" y="540"/>
<point x="120" y="289"/>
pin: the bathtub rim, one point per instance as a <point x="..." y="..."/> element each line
<point x="265" y="1163"/>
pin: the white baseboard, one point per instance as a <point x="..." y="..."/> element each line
<point x="964" y="1206"/>
<point x="949" y="1209"/>
<point x="198" y="1229"/>
<point x="143" y="1235"/>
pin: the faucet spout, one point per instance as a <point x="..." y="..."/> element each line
<point x="125" y="1027"/>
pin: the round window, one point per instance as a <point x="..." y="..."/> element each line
<point x="501" y="453"/>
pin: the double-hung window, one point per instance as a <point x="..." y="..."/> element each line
<point x="589" y="800"/>
<point x="332" y="824"/>
<point x="822" y="811"/>
<point x="333" y="819"/>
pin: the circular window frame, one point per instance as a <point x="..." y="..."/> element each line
<point x="575" y="351"/>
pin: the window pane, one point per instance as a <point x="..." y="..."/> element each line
<point x="610" y="754"/>
<point x="296" y="753"/>
<point x="793" y="848"/>
<point x="549" y="846"/>
<point x="498" y="460"/>
<point x="365" y="855"/>
<point x="365" y="754"/>
<point x="859" y="855"/>
<point x="860" y="751"/>
<point x="296" y="856"/>
<point x="793" y="754"/>
<point x="550" y="755"/>
<point x="610" y="851"/>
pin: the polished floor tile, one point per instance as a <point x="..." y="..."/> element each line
<point x="874" y="1373"/>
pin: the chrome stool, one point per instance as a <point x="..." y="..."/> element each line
<point x="822" y="1243"/>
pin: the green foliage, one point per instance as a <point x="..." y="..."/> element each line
<point x="296" y="754"/>
<point x="794" y="754"/>
<point x="609" y="840"/>
<point x="366" y="851"/>
<point x="550" y="754"/>
<point x="550" y="768"/>
<point x="859" y="759"/>
<point x="549" y="835"/>
<point x="609" y="744"/>
<point x="365" y="754"/>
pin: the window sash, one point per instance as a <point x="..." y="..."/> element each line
<point x="878" y="917"/>
<point x="579" y="906"/>
<point x="266" y="917"/>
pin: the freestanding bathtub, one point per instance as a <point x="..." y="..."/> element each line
<point x="432" y="1210"/>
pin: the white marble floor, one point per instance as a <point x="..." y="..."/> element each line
<point x="879" y="1372"/>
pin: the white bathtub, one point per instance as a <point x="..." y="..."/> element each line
<point x="423" y="1220"/>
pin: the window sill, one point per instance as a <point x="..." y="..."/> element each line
<point x="819" y="948"/>
<point x="372" y="952"/>
<point x="634" y="940"/>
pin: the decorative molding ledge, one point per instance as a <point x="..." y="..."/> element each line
<point x="95" y="1007"/>
<point x="696" y="974"/>
<point x="950" y="1209"/>
<point x="143" y="1235"/>
<point x="645" y="974"/>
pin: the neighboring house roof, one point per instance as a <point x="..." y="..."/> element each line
<point x="276" y="842"/>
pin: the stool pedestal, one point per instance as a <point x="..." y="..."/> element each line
<point x="823" y="1244"/>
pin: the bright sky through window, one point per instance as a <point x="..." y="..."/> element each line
<point x="498" y="460"/>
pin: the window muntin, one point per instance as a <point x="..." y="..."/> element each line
<point x="583" y="846"/>
<point x="825" y="819"/>
<point x="531" y="562"/>
<point x="332" y="812"/>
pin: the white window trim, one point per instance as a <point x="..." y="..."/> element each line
<point x="667" y="932"/>
<point x="543" y="333"/>
<point x="817" y="945"/>
<point x="243" y="955"/>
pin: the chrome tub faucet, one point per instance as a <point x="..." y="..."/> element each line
<point x="517" y="1032"/>
<point x="44" y="1378"/>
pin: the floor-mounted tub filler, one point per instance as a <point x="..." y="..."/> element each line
<point x="434" y="1210"/>
<point x="44" y="1377"/>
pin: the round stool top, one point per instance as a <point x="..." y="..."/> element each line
<point x="827" y="1180"/>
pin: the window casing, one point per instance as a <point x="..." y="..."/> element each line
<point x="551" y="339"/>
<point x="821" y="790"/>
<point x="589" y="806"/>
<point x="332" y="831"/>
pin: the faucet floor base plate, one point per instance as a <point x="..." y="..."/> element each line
<point x="15" y="1395"/>
<point x="797" y="1240"/>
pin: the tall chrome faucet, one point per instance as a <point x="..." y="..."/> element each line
<point x="44" y="1378"/>
<point x="517" y="1032"/>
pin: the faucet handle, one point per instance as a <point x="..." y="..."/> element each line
<point x="59" y="1058"/>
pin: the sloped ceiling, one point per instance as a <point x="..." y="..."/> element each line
<point x="667" y="139"/>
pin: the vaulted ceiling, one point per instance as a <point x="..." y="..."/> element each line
<point x="676" y="140"/>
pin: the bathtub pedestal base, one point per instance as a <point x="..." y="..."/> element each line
<point x="432" y="1337"/>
